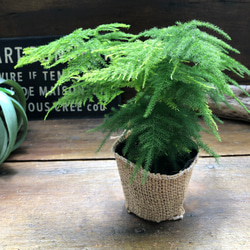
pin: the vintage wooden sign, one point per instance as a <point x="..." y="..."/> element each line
<point x="36" y="82"/>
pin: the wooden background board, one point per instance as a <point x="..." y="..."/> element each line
<point x="80" y="205"/>
<point x="54" y="17"/>
<point x="68" y="140"/>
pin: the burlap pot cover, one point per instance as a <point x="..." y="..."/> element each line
<point x="160" y="198"/>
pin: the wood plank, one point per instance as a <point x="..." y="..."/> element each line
<point x="18" y="18"/>
<point x="67" y="139"/>
<point x="235" y="111"/>
<point x="235" y="139"/>
<point x="80" y="205"/>
<point x="62" y="139"/>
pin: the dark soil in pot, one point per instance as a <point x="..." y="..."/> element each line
<point x="162" y="165"/>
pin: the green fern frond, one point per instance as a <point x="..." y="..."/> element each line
<point x="173" y="70"/>
<point x="165" y="132"/>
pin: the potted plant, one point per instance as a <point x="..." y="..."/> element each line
<point x="172" y="70"/>
<point x="13" y="119"/>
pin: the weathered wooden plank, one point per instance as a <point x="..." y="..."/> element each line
<point x="234" y="139"/>
<point x="21" y="18"/>
<point x="62" y="139"/>
<point x="80" y="205"/>
<point x="237" y="112"/>
<point x="67" y="139"/>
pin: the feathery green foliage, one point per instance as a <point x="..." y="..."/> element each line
<point x="172" y="69"/>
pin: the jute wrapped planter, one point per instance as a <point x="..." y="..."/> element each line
<point x="160" y="198"/>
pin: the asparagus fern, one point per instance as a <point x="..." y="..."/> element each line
<point x="172" y="69"/>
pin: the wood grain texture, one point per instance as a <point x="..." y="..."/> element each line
<point x="41" y="18"/>
<point x="236" y="111"/>
<point x="80" y="205"/>
<point x="56" y="193"/>
<point x="63" y="140"/>
<point x="235" y="139"/>
<point x="68" y="140"/>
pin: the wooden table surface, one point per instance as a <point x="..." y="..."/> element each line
<point x="57" y="193"/>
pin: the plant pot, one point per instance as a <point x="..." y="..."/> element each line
<point x="160" y="198"/>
